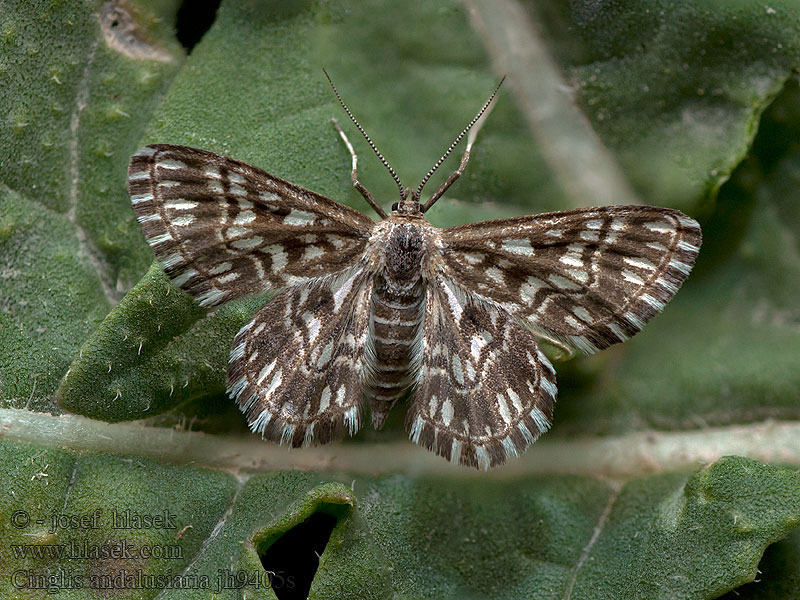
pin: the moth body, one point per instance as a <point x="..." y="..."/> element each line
<point x="403" y="244"/>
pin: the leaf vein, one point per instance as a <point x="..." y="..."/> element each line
<point x="598" y="529"/>
<point x="87" y="249"/>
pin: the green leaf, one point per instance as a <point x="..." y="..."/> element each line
<point x="50" y="299"/>
<point x="671" y="535"/>
<point x="778" y="573"/>
<point x="698" y="75"/>
<point x="135" y="364"/>
<point x="77" y="90"/>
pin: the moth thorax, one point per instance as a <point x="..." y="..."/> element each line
<point x="403" y="253"/>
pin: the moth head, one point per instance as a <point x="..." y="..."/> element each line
<point x="409" y="205"/>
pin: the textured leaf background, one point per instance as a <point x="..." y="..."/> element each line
<point x="693" y="105"/>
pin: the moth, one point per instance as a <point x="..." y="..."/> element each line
<point x="367" y="310"/>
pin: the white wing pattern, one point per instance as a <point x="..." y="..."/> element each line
<point x="224" y="229"/>
<point x="588" y="278"/>
<point x="485" y="390"/>
<point x="315" y="395"/>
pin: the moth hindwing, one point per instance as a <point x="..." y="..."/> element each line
<point x="367" y="310"/>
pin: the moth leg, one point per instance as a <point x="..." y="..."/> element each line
<point x="450" y="180"/>
<point x="354" y="173"/>
<point x="568" y="352"/>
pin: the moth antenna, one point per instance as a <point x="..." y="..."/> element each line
<point x="366" y="137"/>
<point x="418" y="192"/>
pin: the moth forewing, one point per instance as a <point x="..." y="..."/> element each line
<point x="223" y="229"/>
<point x="588" y="277"/>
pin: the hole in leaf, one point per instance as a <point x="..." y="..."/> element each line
<point x="293" y="558"/>
<point x="194" y="18"/>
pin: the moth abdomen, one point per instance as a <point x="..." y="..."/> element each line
<point x="396" y="320"/>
